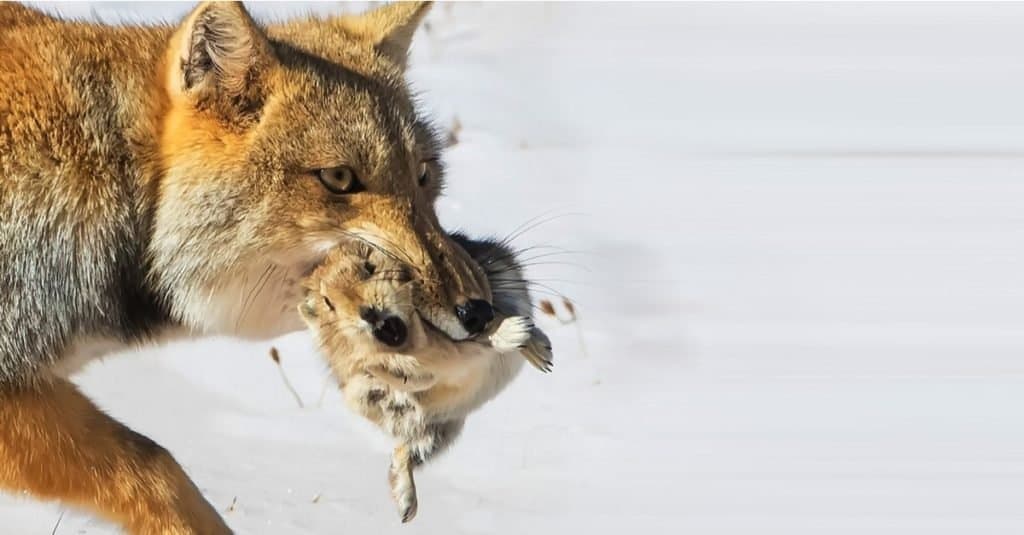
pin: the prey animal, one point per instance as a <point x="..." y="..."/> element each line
<point x="401" y="373"/>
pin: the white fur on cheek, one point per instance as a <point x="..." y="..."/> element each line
<point x="259" y="303"/>
<point x="258" y="300"/>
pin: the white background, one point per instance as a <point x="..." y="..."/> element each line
<point x="795" y="238"/>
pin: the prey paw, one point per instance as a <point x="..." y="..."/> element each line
<point x="403" y="488"/>
<point x="512" y="334"/>
<point x="538" y="352"/>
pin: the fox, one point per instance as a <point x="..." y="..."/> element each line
<point x="180" y="180"/>
<point x="400" y="373"/>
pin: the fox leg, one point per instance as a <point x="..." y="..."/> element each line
<point x="55" y="444"/>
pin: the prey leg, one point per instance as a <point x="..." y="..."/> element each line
<point x="403" y="487"/>
<point x="402" y="383"/>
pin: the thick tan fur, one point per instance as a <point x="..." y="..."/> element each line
<point x="163" y="180"/>
<point x="54" y="443"/>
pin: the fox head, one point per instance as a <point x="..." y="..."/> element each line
<point x="278" y="143"/>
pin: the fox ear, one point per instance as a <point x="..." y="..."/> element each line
<point x="389" y="28"/>
<point x="221" y="53"/>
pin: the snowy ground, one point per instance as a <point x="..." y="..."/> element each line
<point x="798" y="236"/>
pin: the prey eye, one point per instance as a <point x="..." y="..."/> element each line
<point x="340" y="180"/>
<point x="424" y="177"/>
<point x="329" y="304"/>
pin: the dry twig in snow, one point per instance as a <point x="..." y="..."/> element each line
<point x="276" y="357"/>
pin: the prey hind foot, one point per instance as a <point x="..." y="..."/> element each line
<point x="403" y="487"/>
<point x="538" y="351"/>
<point x="512" y="334"/>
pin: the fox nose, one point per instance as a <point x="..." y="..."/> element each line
<point x="474" y="315"/>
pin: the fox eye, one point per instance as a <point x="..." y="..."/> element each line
<point x="424" y="177"/>
<point x="340" y="180"/>
<point x="328" y="302"/>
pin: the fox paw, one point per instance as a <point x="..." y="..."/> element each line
<point x="512" y="334"/>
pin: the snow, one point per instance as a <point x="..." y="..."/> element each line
<point x="794" y="236"/>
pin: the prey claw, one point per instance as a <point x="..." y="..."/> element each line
<point x="409" y="513"/>
<point x="538" y="352"/>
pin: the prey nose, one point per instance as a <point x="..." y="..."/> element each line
<point x="392" y="331"/>
<point x="388" y="329"/>
<point x="474" y="315"/>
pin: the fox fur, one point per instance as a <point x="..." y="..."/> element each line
<point x="181" y="180"/>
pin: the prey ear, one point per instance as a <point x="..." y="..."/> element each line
<point x="389" y="28"/>
<point x="307" y="310"/>
<point x="220" y="53"/>
<point x="309" y="307"/>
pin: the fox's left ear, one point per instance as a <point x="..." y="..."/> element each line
<point x="219" y="55"/>
<point x="389" y="28"/>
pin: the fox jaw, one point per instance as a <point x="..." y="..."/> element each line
<point x="279" y="143"/>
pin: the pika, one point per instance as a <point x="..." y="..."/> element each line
<point x="399" y="371"/>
